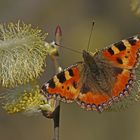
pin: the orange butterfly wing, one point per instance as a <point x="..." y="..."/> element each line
<point x="124" y="53"/>
<point x="64" y="86"/>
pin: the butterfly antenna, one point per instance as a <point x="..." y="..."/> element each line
<point x="58" y="36"/>
<point x="73" y="50"/>
<point x="88" y="46"/>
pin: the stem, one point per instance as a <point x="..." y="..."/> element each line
<point x="56" y="113"/>
<point x="56" y="121"/>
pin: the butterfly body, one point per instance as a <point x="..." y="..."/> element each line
<point x="99" y="74"/>
<point x="100" y="79"/>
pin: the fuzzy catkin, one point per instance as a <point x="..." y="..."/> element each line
<point x="22" y="54"/>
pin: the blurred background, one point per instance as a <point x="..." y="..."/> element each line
<point x="114" y="21"/>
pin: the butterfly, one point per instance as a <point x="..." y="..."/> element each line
<point x="101" y="79"/>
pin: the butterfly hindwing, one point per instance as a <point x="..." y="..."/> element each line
<point x="91" y="100"/>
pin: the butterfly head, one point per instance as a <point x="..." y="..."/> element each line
<point x="87" y="56"/>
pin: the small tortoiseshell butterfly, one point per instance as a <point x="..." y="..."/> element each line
<point x="100" y="79"/>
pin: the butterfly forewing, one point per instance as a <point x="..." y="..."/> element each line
<point x="65" y="85"/>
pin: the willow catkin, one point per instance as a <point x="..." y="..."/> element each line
<point x="22" y="54"/>
<point x="27" y="101"/>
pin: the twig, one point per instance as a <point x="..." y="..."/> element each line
<point x="56" y="112"/>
